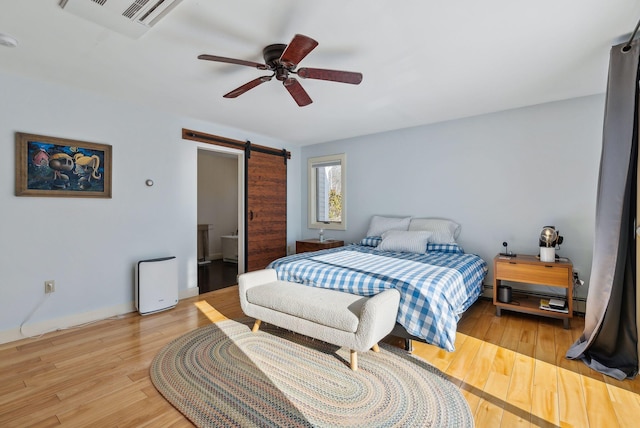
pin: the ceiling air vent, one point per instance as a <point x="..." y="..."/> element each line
<point x="129" y="17"/>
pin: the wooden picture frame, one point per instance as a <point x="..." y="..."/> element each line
<point x="59" y="167"/>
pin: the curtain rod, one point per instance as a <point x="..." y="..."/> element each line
<point x="628" y="45"/>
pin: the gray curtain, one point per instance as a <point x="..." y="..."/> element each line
<point x="609" y="341"/>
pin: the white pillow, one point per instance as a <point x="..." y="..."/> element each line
<point x="403" y="240"/>
<point x="380" y="224"/>
<point x="444" y="231"/>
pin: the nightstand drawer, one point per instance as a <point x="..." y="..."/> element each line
<point x="546" y="274"/>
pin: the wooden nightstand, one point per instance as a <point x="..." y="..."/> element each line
<point x="529" y="269"/>
<point x="306" y="245"/>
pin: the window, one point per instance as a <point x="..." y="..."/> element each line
<point x="327" y="192"/>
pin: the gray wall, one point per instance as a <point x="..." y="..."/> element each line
<point x="90" y="246"/>
<point x="502" y="176"/>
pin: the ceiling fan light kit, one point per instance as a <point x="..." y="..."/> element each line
<point x="282" y="60"/>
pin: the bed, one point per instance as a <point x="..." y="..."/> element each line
<point x="437" y="280"/>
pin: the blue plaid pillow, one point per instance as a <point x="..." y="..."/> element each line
<point x="371" y="241"/>
<point x="374" y="241"/>
<point x="445" y="248"/>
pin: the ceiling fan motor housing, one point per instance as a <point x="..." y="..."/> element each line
<point x="272" y="54"/>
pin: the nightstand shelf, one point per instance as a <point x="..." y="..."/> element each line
<point x="307" y="245"/>
<point x="530" y="270"/>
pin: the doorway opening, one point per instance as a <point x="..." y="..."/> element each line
<point x="220" y="220"/>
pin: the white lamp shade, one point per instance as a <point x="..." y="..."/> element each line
<point x="547" y="254"/>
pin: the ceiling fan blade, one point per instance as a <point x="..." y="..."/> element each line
<point x="332" y="75"/>
<point x="249" y="85"/>
<point x="297" y="92"/>
<point x="299" y="47"/>
<point x="233" y="61"/>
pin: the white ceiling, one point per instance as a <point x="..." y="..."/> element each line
<point x="423" y="61"/>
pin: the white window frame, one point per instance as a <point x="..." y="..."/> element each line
<point x="313" y="222"/>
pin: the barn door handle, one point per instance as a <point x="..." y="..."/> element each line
<point x="250" y="214"/>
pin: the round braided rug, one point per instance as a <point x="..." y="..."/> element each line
<point x="223" y="375"/>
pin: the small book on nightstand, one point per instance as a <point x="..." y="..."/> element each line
<point x="554" y="305"/>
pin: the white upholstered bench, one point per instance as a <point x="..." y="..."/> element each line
<point x="335" y="317"/>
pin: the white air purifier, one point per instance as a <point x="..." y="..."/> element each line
<point x="156" y="286"/>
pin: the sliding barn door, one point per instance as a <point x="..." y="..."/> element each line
<point x="266" y="208"/>
<point x="265" y="196"/>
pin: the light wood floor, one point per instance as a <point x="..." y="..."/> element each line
<point x="511" y="370"/>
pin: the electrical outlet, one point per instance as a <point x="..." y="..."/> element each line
<point x="49" y="286"/>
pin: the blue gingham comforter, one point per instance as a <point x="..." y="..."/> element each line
<point x="435" y="288"/>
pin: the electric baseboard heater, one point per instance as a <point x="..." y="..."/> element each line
<point x="156" y="285"/>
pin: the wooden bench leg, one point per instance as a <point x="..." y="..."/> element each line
<point x="256" y="326"/>
<point x="375" y="348"/>
<point x="354" y="360"/>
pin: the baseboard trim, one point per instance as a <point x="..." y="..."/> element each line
<point x="189" y="292"/>
<point x="77" y="320"/>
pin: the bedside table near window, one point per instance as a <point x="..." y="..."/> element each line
<point x="307" y="245"/>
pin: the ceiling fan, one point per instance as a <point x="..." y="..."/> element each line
<point x="282" y="60"/>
